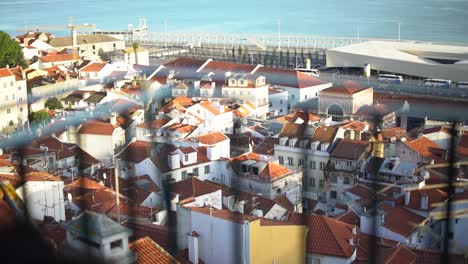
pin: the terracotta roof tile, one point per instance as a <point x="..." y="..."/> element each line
<point x="349" y="217"/>
<point x="348" y="87"/>
<point x="350" y="149"/>
<point x="157" y="233"/>
<point x="400" y="220"/>
<point x="435" y="197"/>
<point x="426" y="148"/>
<point x="192" y="187"/>
<point x="4" y="72"/>
<point x="333" y="235"/>
<point x="59" y="58"/>
<point x="288" y="78"/>
<point x="436" y="257"/>
<point x="148" y="252"/>
<point x="211" y="138"/>
<point x="94" y="67"/>
<point x="96" y="127"/>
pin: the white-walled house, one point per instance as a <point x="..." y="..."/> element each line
<point x="43" y="198"/>
<point x="101" y="139"/>
<point x="95" y="70"/>
<point x="14" y="100"/>
<point x="300" y="86"/>
<point x="307" y="147"/>
<point x="278" y="102"/>
<point x="243" y="88"/>
<point x="214" y="139"/>
<point x="420" y="150"/>
<point x="213" y="116"/>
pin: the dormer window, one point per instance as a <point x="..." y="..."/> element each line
<point x="255" y="170"/>
<point x="186" y="157"/>
<point x="241" y="82"/>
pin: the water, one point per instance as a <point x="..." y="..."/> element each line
<point x="430" y="20"/>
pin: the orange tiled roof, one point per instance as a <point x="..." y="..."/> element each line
<point x="211" y="138"/>
<point x="94" y="67"/>
<point x="59" y="57"/>
<point x="333" y="235"/>
<point x="96" y="127"/>
<point x="350" y="149"/>
<point x="462" y="147"/>
<point x="274" y="171"/>
<point x="148" y="252"/>
<point x="209" y="106"/>
<point x="400" y="220"/>
<point x="4" y="72"/>
<point x="435" y="197"/>
<point x="349" y="88"/>
<point x="426" y="148"/>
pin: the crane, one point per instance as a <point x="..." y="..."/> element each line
<point x="73" y="29"/>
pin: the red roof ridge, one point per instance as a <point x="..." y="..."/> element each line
<point x="334" y="231"/>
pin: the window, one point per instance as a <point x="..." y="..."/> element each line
<point x="94" y="47"/>
<point x="244" y="168"/>
<point x="312" y="182"/>
<point x="116" y="244"/>
<point x="6" y="97"/>
<point x="255" y="170"/>
<point x="207" y="169"/>
<point x="312" y="164"/>
<point x="11" y="83"/>
<point x="184" y="175"/>
<point x="301" y="162"/>
<point x="186" y="157"/>
<point x="11" y="123"/>
<point x="12" y="97"/>
<point x="114" y="45"/>
<point x="195" y="171"/>
<point x="321" y="183"/>
<point x="333" y="179"/>
<point x="281" y="101"/>
<point x="290" y="161"/>
<point x="333" y="194"/>
<point x="322" y="165"/>
<point x="20" y="99"/>
<point x="347" y="180"/>
<point x="281" y="160"/>
<point x="8" y="111"/>
<point x="349" y="163"/>
<point x="5" y="85"/>
<point x="21" y="109"/>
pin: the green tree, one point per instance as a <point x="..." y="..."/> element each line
<point x="136" y="47"/>
<point x="39" y="117"/>
<point x="10" y="52"/>
<point x="53" y="103"/>
<point x="239" y="52"/>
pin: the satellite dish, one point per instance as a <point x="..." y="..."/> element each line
<point x="69" y="196"/>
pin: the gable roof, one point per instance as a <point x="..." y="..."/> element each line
<point x="192" y="187"/>
<point x="400" y="220"/>
<point x="348" y="88"/>
<point x="81" y="39"/>
<point x="350" y="149"/>
<point x="97" y="127"/>
<point x="94" y="67"/>
<point x="426" y="148"/>
<point x="333" y="235"/>
<point x="211" y="138"/>
<point x="148" y="252"/>
<point x="288" y="78"/>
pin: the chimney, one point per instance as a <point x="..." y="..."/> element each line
<point x="212" y="153"/>
<point x="354" y="230"/>
<point x="174" y="160"/>
<point x="351" y="242"/>
<point x="113" y="118"/>
<point x="193" y="247"/>
<point x="383" y="219"/>
<point x="424" y="201"/>
<point x="407" y="197"/>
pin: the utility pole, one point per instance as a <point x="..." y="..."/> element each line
<point x="279" y="34"/>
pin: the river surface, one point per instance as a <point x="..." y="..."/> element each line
<point x="430" y="20"/>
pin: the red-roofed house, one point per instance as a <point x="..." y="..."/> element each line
<point x="271" y="179"/>
<point x="215" y="140"/>
<point x="242" y="88"/>
<point x="101" y="139"/>
<point x="345" y="100"/>
<point x="214" y="116"/>
<point x="228" y="237"/>
<point x="420" y="150"/>
<point x="95" y="70"/>
<point x="300" y="86"/>
<point x="328" y="240"/>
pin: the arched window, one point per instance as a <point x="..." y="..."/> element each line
<point x="336" y="112"/>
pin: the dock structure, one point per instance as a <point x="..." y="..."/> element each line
<point x="234" y="40"/>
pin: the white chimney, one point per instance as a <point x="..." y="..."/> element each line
<point x="424" y="201"/>
<point x="193" y="247"/>
<point x="174" y="160"/>
<point x="113" y="118"/>
<point x="212" y="153"/>
<point x="351" y="242"/>
<point x="354" y="230"/>
<point x="407" y="197"/>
